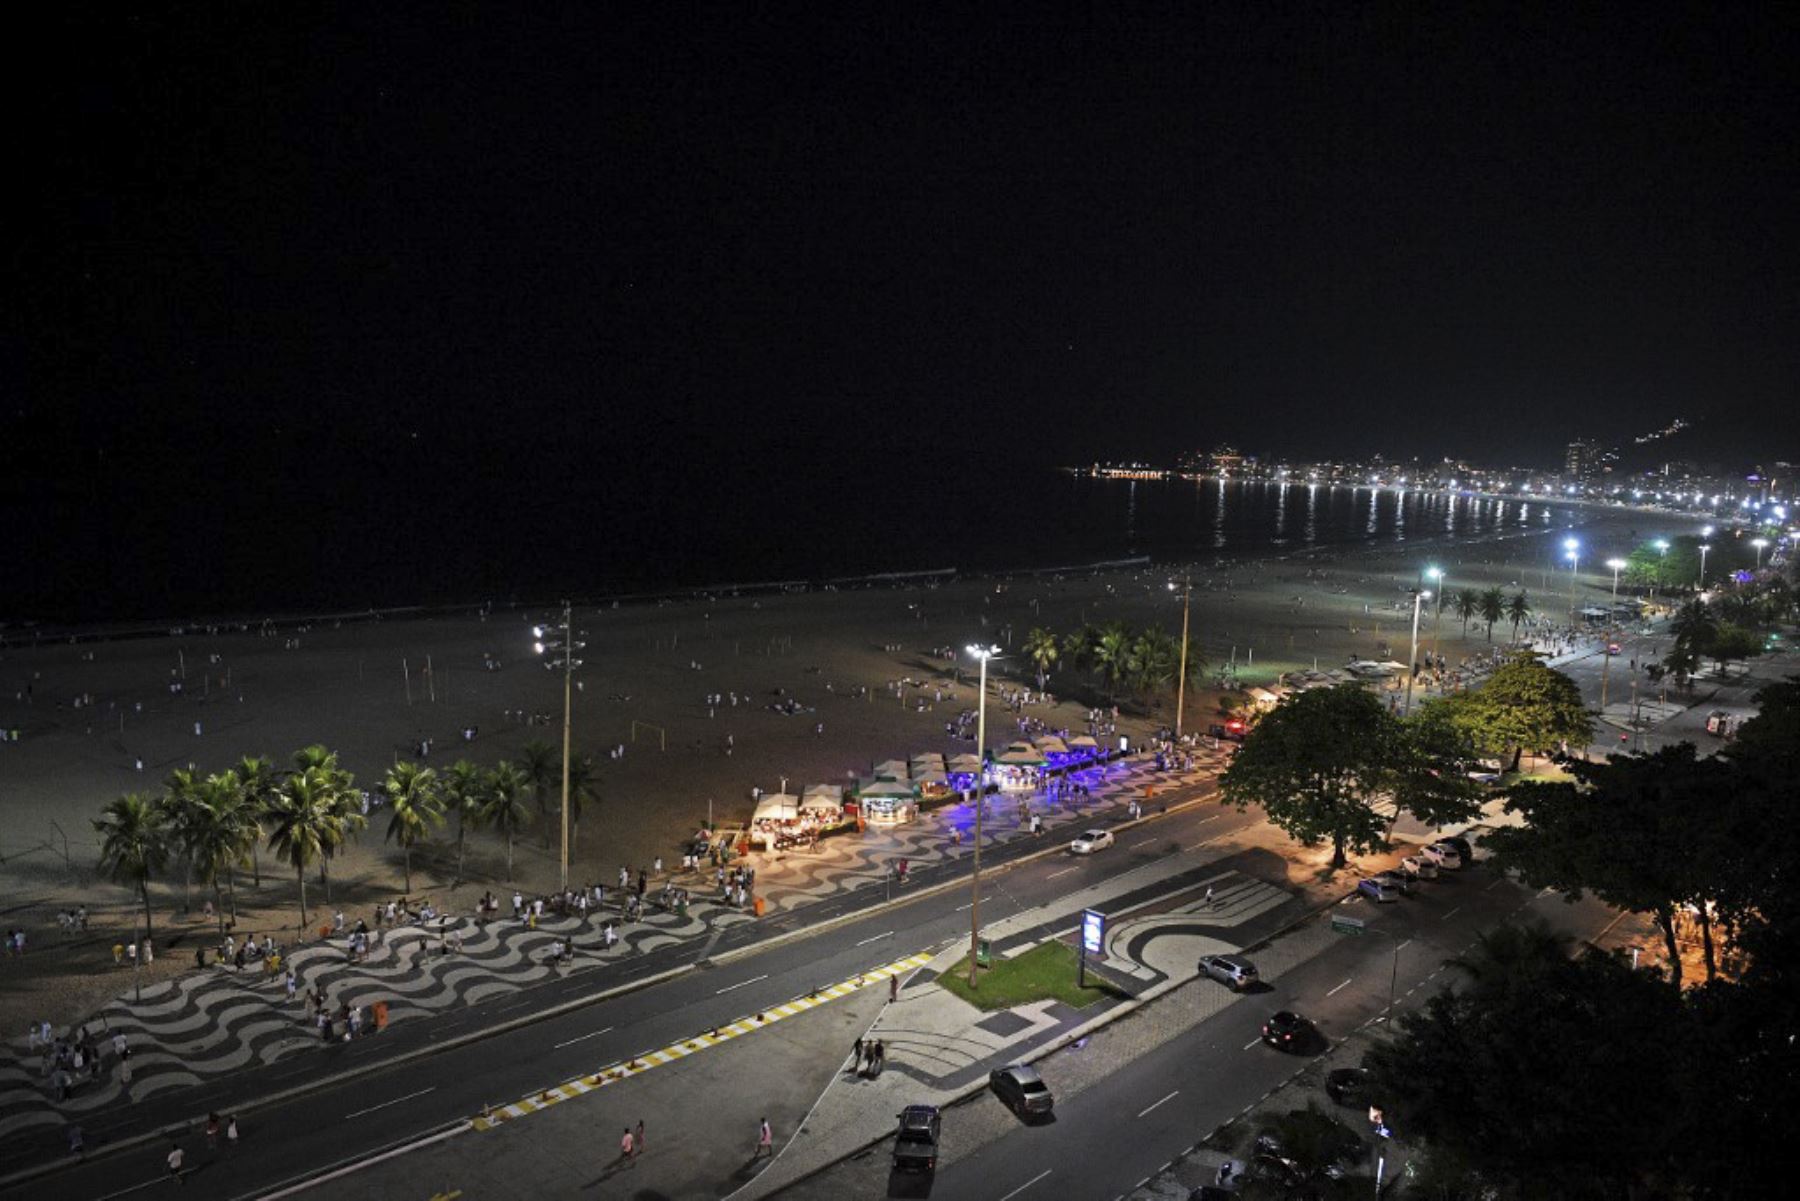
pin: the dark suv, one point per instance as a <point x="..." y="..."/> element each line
<point x="916" y="1144"/>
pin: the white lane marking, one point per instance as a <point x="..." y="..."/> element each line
<point x="1251" y="1043"/>
<point x="876" y="937"/>
<point x="1451" y="914"/>
<point x="1334" y="992"/>
<point x="1142" y="842"/>
<point x="740" y="984"/>
<point x="1495" y="884"/>
<point x="1148" y="1108"/>
<point x="581" y="1038"/>
<point x="1404" y="945"/>
<point x="965" y="908"/>
<point x="1026" y="1185"/>
<point x="1065" y="871"/>
<point x="409" y="1096"/>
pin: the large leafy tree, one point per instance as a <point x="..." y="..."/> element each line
<point x="1041" y="649"/>
<point x="1321" y="760"/>
<point x="415" y="806"/>
<point x="1551" y="1076"/>
<point x="504" y="805"/>
<point x="1641" y="832"/>
<point x="134" y="845"/>
<point x="1524" y="706"/>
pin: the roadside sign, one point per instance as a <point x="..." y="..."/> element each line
<point x="1343" y="924"/>
<point x="1093" y="931"/>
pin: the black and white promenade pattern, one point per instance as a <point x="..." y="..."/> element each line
<point x="217" y="1020"/>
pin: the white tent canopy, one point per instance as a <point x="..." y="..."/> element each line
<point x="885" y="788"/>
<point x="1081" y="742"/>
<point x="1019" y="754"/>
<point x="965" y="765"/>
<point x="890" y="769"/>
<point x="1049" y="744"/>
<point x="777" y="806"/>
<point x="833" y="793"/>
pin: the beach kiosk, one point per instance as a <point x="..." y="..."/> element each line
<point x="775" y="817"/>
<point x="887" y="802"/>
<point x="1016" y="768"/>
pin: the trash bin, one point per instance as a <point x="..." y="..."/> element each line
<point x="759" y="906"/>
<point x="982" y="958"/>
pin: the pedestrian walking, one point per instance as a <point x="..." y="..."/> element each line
<point x="893" y="989"/>
<point x="174" y="1161"/>
<point x="637" y="1138"/>
<point x="1209" y="896"/>
<point x="231" y="1133"/>
<point x="857" y="1058"/>
<point x="765" y="1141"/>
<point x="626" y="1146"/>
<point x="880" y="1057"/>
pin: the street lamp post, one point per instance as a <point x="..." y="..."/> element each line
<point x="1662" y="551"/>
<point x="1617" y="566"/>
<point x="1759" y="544"/>
<point x="1704" y="547"/>
<point x="1412" y="668"/>
<point x="558" y="644"/>
<point x="1181" y="670"/>
<point x="983" y="654"/>
<point x="1572" y="552"/>
<point x="1436" y="576"/>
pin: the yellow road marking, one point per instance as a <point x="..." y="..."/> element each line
<point x="490" y="1117"/>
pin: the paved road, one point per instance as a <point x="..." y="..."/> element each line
<point x="1109" y="1138"/>
<point x="383" y="1106"/>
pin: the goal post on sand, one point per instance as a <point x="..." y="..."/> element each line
<point x="662" y="735"/>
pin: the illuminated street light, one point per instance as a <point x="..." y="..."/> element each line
<point x="982" y="653"/>
<point x="1412" y="668"/>
<point x="1704" y="547"/>
<point x="1572" y="552"/>
<point x="1436" y="576"/>
<point x="1181" y="671"/>
<point x="557" y="643"/>
<point x="1759" y="543"/>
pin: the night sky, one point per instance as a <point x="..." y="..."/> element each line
<point x="405" y="291"/>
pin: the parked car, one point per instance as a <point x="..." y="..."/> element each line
<point x="1395" y="880"/>
<point x="1089" y="841"/>
<point x="1419" y="867"/>
<point x="1022" y="1090"/>
<point x="1377" y="890"/>
<point x="1286" y="1030"/>
<point x="1461" y="846"/>
<point x="1233" y="971"/>
<point x="916" y="1144"/>
<point x="1444" y="855"/>
<point x="1348" y="1086"/>
<point x="1234" y="730"/>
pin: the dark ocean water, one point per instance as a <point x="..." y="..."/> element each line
<point x="235" y="556"/>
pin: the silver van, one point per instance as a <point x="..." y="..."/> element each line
<point x="1233" y="971"/>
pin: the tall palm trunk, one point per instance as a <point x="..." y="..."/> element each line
<point x="300" y="874"/>
<point x="231" y="877"/>
<point x="144" y="892"/>
<point x="325" y="876"/>
<point x="219" y="905"/>
<point x="509" y="841"/>
<point x="1665" y="919"/>
<point x="255" y="864"/>
<point x="406" y="853"/>
<point x="459" y="846"/>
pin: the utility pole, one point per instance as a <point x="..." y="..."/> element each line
<point x="1181" y="676"/>
<point x="559" y="644"/>
<point x="982" y="653"/>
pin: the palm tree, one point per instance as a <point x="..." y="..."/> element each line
<point x="1493" y="608"/>
<point x="224" y="830"/>
<point x="1695" y="629"/>
<point x="542" y="768"/>
<point x="1154" y="659"/>
<point x="1517" y="610"/>
<point x="301" y="823"/>
<point x="503" y="808"/>
<point x="343" y="804"/>
<point x="414" y="805"/>
<point x="259" y="781"/>
<point x="133" y="845"/>
<point x="465" y="795"/>
<point x="1112" y="654"/>
<point x="1467" y="605"/>
<point x="179" y="800"/>
<point x="1040" y="648"/>
<point x="1078" y="647"/>
<point x="581" y="790"/>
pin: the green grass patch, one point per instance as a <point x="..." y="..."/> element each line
<point x="1044" y="972"/>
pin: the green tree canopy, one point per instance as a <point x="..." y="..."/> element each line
<point x="1524" y="706"/>
<point x="1321" y="760"/>
<point x="134" y="845"/>
<point x="414" y="807"/>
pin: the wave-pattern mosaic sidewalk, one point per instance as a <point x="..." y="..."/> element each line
<point x="214" y="1021"/>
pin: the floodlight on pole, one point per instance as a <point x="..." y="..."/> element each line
<point x="1436" y="576"/>
<point x="1704" y="547"/>
<point x="1181" y="670"/>
<point x="557" y="643"/>
<point x="1759" y="544"/>
<point x="1572" y="552"/>
<point x="982" y="654"/>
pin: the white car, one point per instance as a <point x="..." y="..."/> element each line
<point x="1444" y="855"/>
<point x="1090" y="841"/>
<point x="1377" y="890"/>
<point x="1419" y="867"/>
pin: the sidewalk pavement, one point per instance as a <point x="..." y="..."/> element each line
<point x="211" y="1022"/>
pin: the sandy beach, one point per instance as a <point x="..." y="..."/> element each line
<point x="374" y="690"/>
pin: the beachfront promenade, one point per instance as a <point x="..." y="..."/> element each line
<point x="211" y="1023"/>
